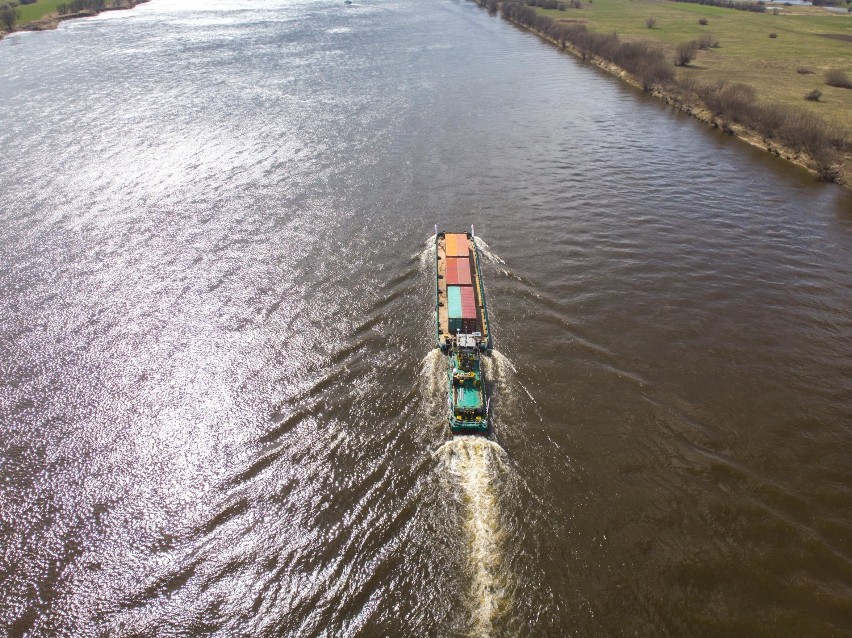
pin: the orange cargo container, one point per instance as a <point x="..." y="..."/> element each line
<point x="456" y="245"/>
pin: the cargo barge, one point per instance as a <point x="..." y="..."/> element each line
<point x="463" y="332"/>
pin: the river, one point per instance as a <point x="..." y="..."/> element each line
<point x="221" y="413"/>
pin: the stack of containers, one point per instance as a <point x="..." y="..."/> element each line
<point x="461" y="302"/>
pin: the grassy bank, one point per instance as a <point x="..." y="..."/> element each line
<point x="751" y="84"/>
<point x="46" y="14"/>
<point x="38" y="10"/>
<point x="31" y="14"/>
<point x="806" y="38"/>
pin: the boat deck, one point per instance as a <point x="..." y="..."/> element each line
<point x="443" y="318"/>
<point x="468" y="397"/>
<point x="443" y="305"/>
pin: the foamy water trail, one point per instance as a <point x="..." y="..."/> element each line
<point x="474" y="461"/>
<point x="427" y="255"/>
<point x="507" y="396"/>
<point x="485" y="250"/>
<point x="433" y="383"/>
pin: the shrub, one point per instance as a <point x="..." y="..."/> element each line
<point x="685" y="53"/>
<point x="707" y="41"/>
<point x="651" y="22"/>
<point x="814" y="95"/>
<point x="805" y="70"/>
<point x="703" y="22"/>
<point x="836" y="77"/>
<point x="8" y="18"/>
<point x="773" y="35"/>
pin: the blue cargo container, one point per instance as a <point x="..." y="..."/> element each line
<point x="454" y="309"/>
<point x="461" y="309"/>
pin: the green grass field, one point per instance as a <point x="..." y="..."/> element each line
<point x="32" y="12"/>
<point x="746" y="53"/>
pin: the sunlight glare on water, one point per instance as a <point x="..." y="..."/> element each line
<point x="218" y="403"/>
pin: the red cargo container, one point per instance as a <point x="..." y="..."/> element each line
<point x="468" y="303"/>
<point x="458" y="272"/>
<point x="468" y="309"/>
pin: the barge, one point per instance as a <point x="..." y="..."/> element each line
<point x="462" y="329"/>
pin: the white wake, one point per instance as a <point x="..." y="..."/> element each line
<point x="474" y="461"/>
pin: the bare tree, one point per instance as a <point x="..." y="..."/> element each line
<point x="685" y="53"/>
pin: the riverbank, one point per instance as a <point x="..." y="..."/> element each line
<point x="815" y="136"/>
<point x="44" y="15"/>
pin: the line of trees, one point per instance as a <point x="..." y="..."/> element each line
<point x="646" y="60"/>
<point x="75" y="6"/>
<point x="796" y="129"/>
<point x="740" y="5"/>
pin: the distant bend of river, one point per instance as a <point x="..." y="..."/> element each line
<point x="220" y="411"/>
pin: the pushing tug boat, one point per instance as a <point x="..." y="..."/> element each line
<point x="463" y="333"/>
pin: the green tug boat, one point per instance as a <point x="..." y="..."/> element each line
<point x="463" y="333"/>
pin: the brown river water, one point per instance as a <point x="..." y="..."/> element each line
<point x="220" y="414"/>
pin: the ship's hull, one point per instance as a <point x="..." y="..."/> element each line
<point x="462" y="330"/>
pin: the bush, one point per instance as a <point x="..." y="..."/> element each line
<point x="703" y="22"/>
<point x="707" y="41"/>
<point x="731" y="100"/>
<point x="836" y="77"/>
<point x="773" y="35"/>
<point x="9" y="17"/>
<point x="814" y="95"/>
<point x="685" y="53"/>
<point x="651" y="22"/>
<point x="805" y="70"/>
